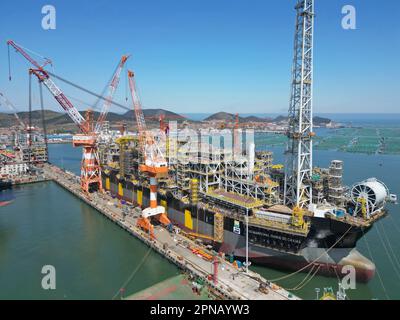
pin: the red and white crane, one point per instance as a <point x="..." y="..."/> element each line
<point x="90" y="166"/>
<point x="111" y="91"/>
<point x="154" y="163"/>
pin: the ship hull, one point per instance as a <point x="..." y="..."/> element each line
<point x="328" y="247"/>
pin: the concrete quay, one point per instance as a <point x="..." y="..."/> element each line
<point x="232" y="283"/>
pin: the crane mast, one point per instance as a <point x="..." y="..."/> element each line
<point x="138" y="110"/>
<point x="44" y="77"/>
<point x="111" y="91"/>
<point x="154" y="160"/>
<point x="298" y="189"/>
<point x="154" y="164"/>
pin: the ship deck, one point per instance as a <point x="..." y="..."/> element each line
<point x="231" y="199"/>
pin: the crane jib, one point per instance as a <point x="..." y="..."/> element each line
<point x="43" y="76"/>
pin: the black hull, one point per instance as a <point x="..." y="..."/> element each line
<point x="329" y="245"/>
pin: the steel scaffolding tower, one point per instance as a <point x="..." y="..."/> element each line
<point x="298" y="190"/>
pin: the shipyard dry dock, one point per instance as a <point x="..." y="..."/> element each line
<point x="231" y="283"/>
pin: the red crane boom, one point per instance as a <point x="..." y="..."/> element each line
<point x="111" y="90"/>
<point x="90" y="165"/>
<point x="154" y="164"/>
<point x="43" y="76"/>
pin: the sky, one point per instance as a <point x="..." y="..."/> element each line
<point x="204" y="56"/>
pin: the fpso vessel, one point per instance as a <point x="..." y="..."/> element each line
<point x="236" y="203"/>
<point x="278" y="237"/>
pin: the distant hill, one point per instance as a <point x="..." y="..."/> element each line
<point x="154" y="114"/>
<point x="254" y="119"/>
<point x="280" y="118"/>
<point x="320" y="120"/>
<point x="230" y="117"/>
<point x="59" y="121"/>
<point x="316" y="120"/>
<point x="223" y="116"/>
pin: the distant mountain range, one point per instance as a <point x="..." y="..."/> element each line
<point x="230" y="117"/>
<point x="58" y="121"/>
<point x="61" y="122"/>
<point x="226" y="116"/>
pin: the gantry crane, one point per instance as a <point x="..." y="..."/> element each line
<point x="153" y="163"/>
<point x="87" y="139"/>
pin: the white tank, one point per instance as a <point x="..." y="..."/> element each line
<point x="374" y="191"/>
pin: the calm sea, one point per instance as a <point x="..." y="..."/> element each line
<point x="46" y="225"/>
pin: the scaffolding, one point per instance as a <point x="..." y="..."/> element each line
<point x="36" y="153"/>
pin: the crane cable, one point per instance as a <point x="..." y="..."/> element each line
<point x="312" y="262"/>
<point x="390" y="246"/>
<point x="305" y="278"/>
<point x="302" y="284"/>
<point x="393" y="260"/>
<point x="9" y="64"/>
<point x="43" y="120"/>
<point x="394" y="223"/>
<point x="87" y="91"/>
<point x="377" y="270"/>
<point x="105" y="88"/>
<point x="133" y="273"/>
<point x="33" y="53"/>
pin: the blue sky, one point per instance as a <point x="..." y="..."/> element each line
<point x="209" y="55"/>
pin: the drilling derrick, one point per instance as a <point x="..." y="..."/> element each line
<point x="298" y="190"/>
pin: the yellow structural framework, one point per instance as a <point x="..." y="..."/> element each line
<point x="188" y="220"/>
<point x="140" y="197"/>
<point x="120" y="189"/>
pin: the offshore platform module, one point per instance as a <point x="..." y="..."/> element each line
<point x="289" y="217"/>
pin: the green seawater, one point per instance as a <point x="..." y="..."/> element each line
<point x="93" y="257"/>
<point x="381" y="244"/>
